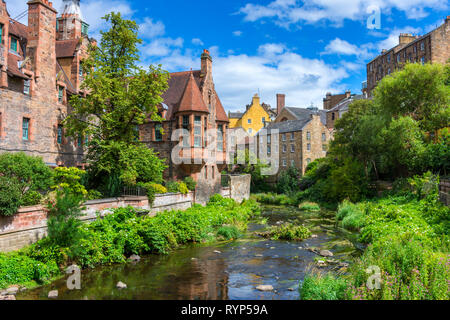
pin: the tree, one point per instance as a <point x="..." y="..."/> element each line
<point x="120" y="97"/>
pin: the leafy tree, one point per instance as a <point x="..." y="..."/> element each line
<point x="288" y="181"/>
<point x="258" y="180"/>
<point x="120" y="97"/>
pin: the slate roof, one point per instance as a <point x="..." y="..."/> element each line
<point x="220" y="111"/>
<point x="18" y="29"/>
<point x="304" y="113"/>
<point x="192" y="99"/>
<point x="288" y="126"/>
<point x="236" y="115"/>
<point x="13" y="67"/>
<point x="343" y="105"/>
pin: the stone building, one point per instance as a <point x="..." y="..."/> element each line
<point x="255" y="117"/>
<point x="337" y="105"/>
<point x="434" y="47"/>
<point x="303" y="137"/>
<point x="191" y="103"/>
<point x="40" y="68"/>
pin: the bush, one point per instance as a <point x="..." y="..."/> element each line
<point x="228" y="232"/>
<point x="10" y="196"/>
<point x="351" y="215"/>
<point x="276" y="199"/>
<point x="182" y="188"/>
<point x="323" y="287"/>
<point x="190" y="183"/>
<point x="288" y="181"/>
<point x="287" y="231"/>
<point x="30" y="175"/>
<point x="172" y="186"/>
<point x="63" y="223"/>
<point x="68" y="180"/>
<point x="309" y="206"/>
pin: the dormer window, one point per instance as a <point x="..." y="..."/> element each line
<point x="84" y="28"/>
<point x="14" y="44"/>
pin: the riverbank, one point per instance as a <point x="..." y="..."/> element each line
<point x="113" y="238"/>
<point x="407" y="257"/>
<point x="220" y="269"/>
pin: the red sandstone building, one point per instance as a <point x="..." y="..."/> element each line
<point x="40" y="68"/>
<point x="433" y="47"/>
<point x="192" y="103"/>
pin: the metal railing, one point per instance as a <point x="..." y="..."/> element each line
<point x="134" y="192"/>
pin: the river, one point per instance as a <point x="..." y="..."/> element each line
<point x="226" y="270"/>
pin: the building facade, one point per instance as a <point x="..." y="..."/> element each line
<point x="434" y="47"/>
<point x="336" y="107"/>
<point x="191" y="103"/>
<point x="303" y="137"/>
<point x="40" y="68"/>
<point x="253" y="119"/>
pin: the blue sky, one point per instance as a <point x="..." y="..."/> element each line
<point x="301" y="48"/>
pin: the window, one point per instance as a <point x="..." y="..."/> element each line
<point x="60" y="94"/>
<point x="269" y="150"/>
<point x="250" y="130"/>
<point x="26" y="129"/>
<point x="284" y="163"/>
<point x="80" y="141"/>
<point x="308" y="135"/>
<point x="308" y="146"/>
<point x="422" y="60"/>
<point x="292" y="136"/>
<point x="80" y="71"/>
<point x="422" y="46"/>
<point x="1" y="32"/>
<point x="249" y="121"/>
<point x="308" y="161"/>
<point x="283" y="137"/>
<point x="398" y="57"/>
<point x="269" y="139"/>
<point x="14" y="44"/>
<point x="333" y="116"/>
<point x="26" y="86"/>
<point x="324" y="137"/>
<point x="284" y="148"/>
<point x="292" y="148"/>
<point x="186" y="122"/>
<point x="292" y="163"/>
<point x="220" y="138"/>
<point x="158" y="134"/>
<point x="60" y="134"/>
<point x="263" y="120"/>
<point x="197" y="131"/>
<point x="84" y="28"/>
<point x="389" y="58"/>
<point x="415" y="49"/>
<point x="57" y="25"/>
<point x="324" y="147"/>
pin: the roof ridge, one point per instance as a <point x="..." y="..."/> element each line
<point x="193" y="94"/>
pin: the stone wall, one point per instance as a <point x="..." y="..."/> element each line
<point x="30" y="223"/>
<point x="240" y="187"/>
<point x="444" y="191"/>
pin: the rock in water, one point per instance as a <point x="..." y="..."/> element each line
<point x="217" y="251"/>
<point x="121" y="285"/>
<point x="53" y="294"/>
<point x="8" y="297"/>
<point x="134" y="258"/>
<point x="326" y="253"/>
<point x="12" y="290"/>
<point x="264" y="288"/>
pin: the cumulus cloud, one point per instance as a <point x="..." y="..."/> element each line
<point x="161" y="46"/>
<point x="237" y="33"/>
<point x="150" y="29"/>
<point x="287" y="12"/>
<point x="197" y="42"/>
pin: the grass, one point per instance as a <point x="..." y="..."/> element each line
<point x="309" y="206"/>
<point x="287" y="231"/>
<point x="323" y="287"/>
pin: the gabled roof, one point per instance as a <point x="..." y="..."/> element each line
<point x="303" y="113"/>
<point x="236" y="115"/>
<point x="13" y="67"/>
<point x="192" y="99"/>
<point x="66" y="48"/>
<point x="220" y="111"/>
<point x="343" y="105"/>
<point x="288" y="126"/>
<point x="18" y="29"/>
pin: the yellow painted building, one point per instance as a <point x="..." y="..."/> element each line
<point x="254" y="119"/>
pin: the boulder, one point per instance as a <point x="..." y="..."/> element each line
<point x="12" y="290"/>
<point x="321" y="263"/>
<point x="134" y="258"/>
<point x="217" y="251"/>
<point x="53" y="294"/>
<point x="121" y="285"/>
<point x="264" y="288"/>
<point x="8" y="298"/>
<point x="326" y="253"/>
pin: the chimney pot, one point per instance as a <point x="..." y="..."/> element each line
<point x="281" y="102"/>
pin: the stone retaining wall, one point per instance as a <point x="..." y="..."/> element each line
<point x="444" y="191"/>
<point x="30" y="223"/>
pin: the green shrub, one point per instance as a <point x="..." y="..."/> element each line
<point x="10" y="196"/>
<point x="287" y="231"/>
<point x="182" y="188"/>
<point x="228" y="232"/>
<point x="288" y="181"/>
<point x="69" y="180"/>
<point x="172" y="186"/>
<point x="275" y="199"/>
<point x="19" y="269"/>
<point x="190" y="183"/>
<point x="159" y="189"/>
<point x="94" y="195"/>
<point x="352" y="216"/>
<point x="309" y="206"/>
<point x="323" y="287"/>
<point x="63" y="222"/>
<point x="28" y="175"/>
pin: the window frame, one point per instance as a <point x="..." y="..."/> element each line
<point x="26" y="129"/>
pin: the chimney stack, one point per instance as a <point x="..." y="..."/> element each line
<point x="206" y="68"/>
<point x="348" y="94"/>
<point x="281" y="102"/>
<point x="406" y="38"/>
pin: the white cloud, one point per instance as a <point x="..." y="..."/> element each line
<point x="237" y="33"/>
<point x="161" y="47"/>
<point x="197" y="42"/>
<point x="150" y="29"/>
<point x="288" y="12"/>
<point x="341" y="47"/>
